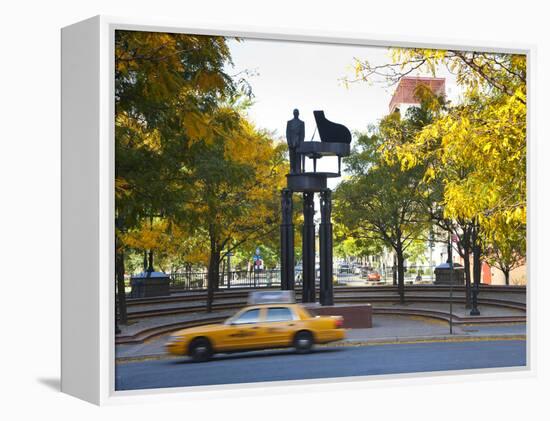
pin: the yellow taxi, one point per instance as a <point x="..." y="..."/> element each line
<point x="272" y="321"/>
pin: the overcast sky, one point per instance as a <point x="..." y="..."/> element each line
<point x="308" y="76"/>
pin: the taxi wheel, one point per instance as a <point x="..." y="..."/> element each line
<point x="200" y="350"/>
<point x="303" y="342"/>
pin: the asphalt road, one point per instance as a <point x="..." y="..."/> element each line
<point x="322" y="363"/>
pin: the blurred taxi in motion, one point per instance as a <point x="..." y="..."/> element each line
<point x="273" y="320"/>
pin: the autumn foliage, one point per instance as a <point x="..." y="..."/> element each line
<point x="472" y="153"/>
<point x="194" y="178"/>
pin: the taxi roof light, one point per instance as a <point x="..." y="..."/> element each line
<point x="271" y="297"/>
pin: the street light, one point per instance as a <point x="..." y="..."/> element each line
<point x="475" y="290"/>
<point x="451" y="272"/>
<point x="431" y="245"/>
<point x="120" y="226"/>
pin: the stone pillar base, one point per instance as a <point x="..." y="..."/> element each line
<point x="355" y="316"/>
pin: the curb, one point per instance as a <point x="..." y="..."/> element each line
<point x="152" y="332"/>
<point x="438" y="338"/>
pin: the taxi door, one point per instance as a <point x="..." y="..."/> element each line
<point x="244" y="332"/>
<point x="280" y="324"/>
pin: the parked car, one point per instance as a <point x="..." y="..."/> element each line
<point x="374" y="276"/>
<point x="262" y="326"/>
<point x="344" y="268"/>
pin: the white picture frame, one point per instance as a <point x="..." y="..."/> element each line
<point x="88" y="362"/>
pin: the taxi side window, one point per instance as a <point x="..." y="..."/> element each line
<point x="279" y="314"/>
<point x="250" y="316"/>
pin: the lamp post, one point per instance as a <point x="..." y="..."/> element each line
<point x="120" y="298"/>
<point x="451" y="272"/>
<point x="117" y="328"/>
<point x="477" y="270"/>
<point x="431" y="245"/>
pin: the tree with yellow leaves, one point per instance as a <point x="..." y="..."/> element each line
<point x="167" y="87"/>
<point x="506" y="246"/>
<point x="174" y="245"/>
<point x="379" y="202"/>
<point x="236" y="182"/>
<point x="474" y="150"/>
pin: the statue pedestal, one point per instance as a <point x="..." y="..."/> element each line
<point x="355" y="316"/>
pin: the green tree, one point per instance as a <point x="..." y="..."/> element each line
<point x="475" y="150"/>
<point x="379" y="201"/>
<point x="235" y="193"/>
<point x="346" y="246"/>
<point x="506" y="248"/>
<point x="416" y="252"/>
<point x="165" y="87"/>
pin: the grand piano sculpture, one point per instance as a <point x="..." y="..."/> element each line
<point x="335" y="142"/>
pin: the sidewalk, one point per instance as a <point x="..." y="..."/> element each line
<point x="386" y="328"/>
<point x="487" y="311"/>
<point x="410" y="328"/>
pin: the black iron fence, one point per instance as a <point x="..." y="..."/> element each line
<point x="271" y="278"/>
<point x="235" y="279"/>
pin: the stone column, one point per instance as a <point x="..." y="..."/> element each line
<point x="325" y="253"/>
<point x="287" y="241"/>
<point x="308" y="250"/>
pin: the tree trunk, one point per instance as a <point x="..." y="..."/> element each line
<point x="121" y="288"/>
<point x="222" y="276"/>
<point x="213" y="273"/>
<point x="394" y="271"/>
<point x="188" y="275"/>
<point x="150" y="263"/>
<point x="400" y="273"/>
<point x="506" y="276"/>
<point x="217" y="270"/>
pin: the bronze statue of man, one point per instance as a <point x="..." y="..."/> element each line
<point x="295" y="133"/>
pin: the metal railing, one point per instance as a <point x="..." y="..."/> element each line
<point x="271" y="278"/>
<point x="234" y="279"/>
